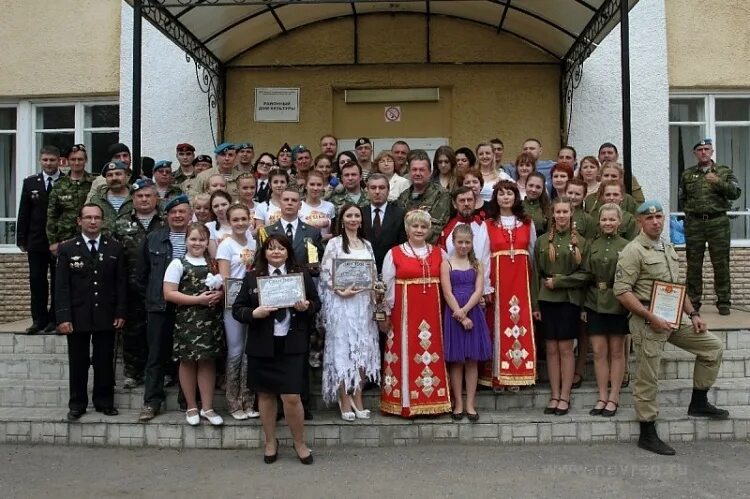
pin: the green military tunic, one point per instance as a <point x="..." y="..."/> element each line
<point x="642" y="262"/>
<point x="201" y="181"/>
<point x="567" y="275"/>
<point x="533" y="208"/>
<point x="600" y="262"/>
<point x="435" y="200"/>
<point x="110" y="214"/>
<point x="65" y="202"/>
<point x="584" y="224"/>
<point x="591" y="204"/>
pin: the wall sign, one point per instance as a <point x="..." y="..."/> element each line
<point x="276" y="104"/>
<point x="392" y="114"/>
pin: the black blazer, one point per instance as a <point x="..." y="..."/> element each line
<point x="303" y="232"/>
<point x="260" y="339"/>
<point x="31" y="228"/>
<point x="91" y="292"/>
<point x="392" y="232"/>
<point x="262" y="195"/>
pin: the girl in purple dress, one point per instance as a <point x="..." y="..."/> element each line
<point x="466" y="337"/>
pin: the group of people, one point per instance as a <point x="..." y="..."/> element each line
<point x="481" y="261"/>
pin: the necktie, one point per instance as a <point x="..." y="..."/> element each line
<point x="262" y="185"/>
<point x="280" y="314"/>
<point x="289" y="233"/>
<point x="377" y="224"/>
<point x="49" y="184"/>
<point x="94" y="252"/>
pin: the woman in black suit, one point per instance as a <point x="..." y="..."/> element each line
<point x="277" y="343"/>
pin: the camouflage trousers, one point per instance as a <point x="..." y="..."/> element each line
<point x="716" y="233"/>
<point x="134" y="346"/>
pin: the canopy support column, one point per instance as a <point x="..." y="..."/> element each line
<point x="137" y="63"/>
<point x="625" y="70"/>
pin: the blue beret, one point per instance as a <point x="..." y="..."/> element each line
<point x="114" y="165"/>
<point x="650" y="207"/>
<point x="141" y="183"/>
<point x="298" y="149"/>
<point x="244" y="145"/>
<point x="222" y="148"/>
<point x="177" y="200"/>
<point x="704" y="142"/>
<point x="162" y="164"/>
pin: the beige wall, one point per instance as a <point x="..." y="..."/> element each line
<point x="708" y="43"/>
<point x="59" y="47"/>
<point x="478" y="101"/>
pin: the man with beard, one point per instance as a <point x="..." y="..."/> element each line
<point x="329" y="145"/>
<point x="116" y="152"/>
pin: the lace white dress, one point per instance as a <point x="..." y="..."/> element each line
<point x="351" y="343"/>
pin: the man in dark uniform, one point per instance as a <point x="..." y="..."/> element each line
<point x="32" y="238"/>
<point x="90" y="300"/>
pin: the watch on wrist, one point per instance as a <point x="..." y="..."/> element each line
<point x="693" y="314"/>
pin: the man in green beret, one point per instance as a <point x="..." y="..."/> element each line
<point x="646" y="259"/>
<point x="706" y="193"/>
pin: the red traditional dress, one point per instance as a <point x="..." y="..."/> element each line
<point x="510" y="316"/>
<point x="415" y="380"/>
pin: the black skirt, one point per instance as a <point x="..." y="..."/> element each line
<point x="562" y="321"/>
<point x="606" y="324"/>
<point x="280" y="374"/>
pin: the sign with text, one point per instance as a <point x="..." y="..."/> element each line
<point x="277" y="105"/>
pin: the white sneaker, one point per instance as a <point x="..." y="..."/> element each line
<point x="194" y="419"/>
<point x="212" y="417"/>
<point x="251" y="414"/>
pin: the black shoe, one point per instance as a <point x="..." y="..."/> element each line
<point x="148" y="413"/>
<point x="598" y="411"/>
<point x="457" y="416"/>
<point x="607" y="413"/>
<point x="308" y="415"/>
<point x="304" y="460"/>
<point x="700" y="407"/>
<point x="273" y="457"/>
<point x="473" y="418"/>
<point x="577" y="384"/>
<point x="551" y="410"/>
<point x="34" y="328"/>
<point x="75" y="414"/>
<point x="650" y="441"/>
<point x="51" y="328"/>
<point x="723" y="310"/>
<point x="562" y="412"/>
<point x="108" y="411"/>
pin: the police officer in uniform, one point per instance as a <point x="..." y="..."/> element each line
<point x="646" y="259"/>
<point x="706" y="193"/>
<point x="90" y="300"/>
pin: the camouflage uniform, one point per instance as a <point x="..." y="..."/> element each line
<point x="198" y="331"/>
<point x="341" y="196"/>
<point x="706" y="221"/>
<point x="184" y="181"/>
<point x="110" y="214"/>
<point x="435" y="200"/>
<point x="201" y="181"/>
<point x="173" y="191"/>
<point x="129" y="231"/>
<point x="65" y="201"/>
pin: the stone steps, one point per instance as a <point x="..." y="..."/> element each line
<point x="23" y="425"/>
<point x="672" y="393"/>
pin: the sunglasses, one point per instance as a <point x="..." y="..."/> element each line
<point x="78" y="148"/>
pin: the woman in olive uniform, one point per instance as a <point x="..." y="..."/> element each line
<point x="536" y="203"/>
<point x="610" y="171"/>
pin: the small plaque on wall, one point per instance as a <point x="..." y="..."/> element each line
<point x="277" y="105"/>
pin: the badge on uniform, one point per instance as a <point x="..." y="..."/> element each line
<point x="34" y="194"/>
<point x="76" y="263"/>
<point x="66" y="197"/>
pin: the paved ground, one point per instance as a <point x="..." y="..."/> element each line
<point x="705" y="469"/>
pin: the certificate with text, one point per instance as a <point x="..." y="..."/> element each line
<point x="667" y="300"/>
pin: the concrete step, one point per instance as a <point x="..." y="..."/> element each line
<point x="34" y="425"/>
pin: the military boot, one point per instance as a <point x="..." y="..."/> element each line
<point x="650" y="441"/>
<point x="700" y="407"/>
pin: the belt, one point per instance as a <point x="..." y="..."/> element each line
<point x="706" y="216"/>
<point x="603" y="285"/>
<point x="419" y="280"/>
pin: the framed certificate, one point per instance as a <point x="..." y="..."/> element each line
<point x="349" y="272"/>
<point x="231" y="290"/>
<point x="281" y="291"/>
<point x="667" y="300"/>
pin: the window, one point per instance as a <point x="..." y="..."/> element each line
<point x="725" y="118"/>
<point x="26" y="126"/>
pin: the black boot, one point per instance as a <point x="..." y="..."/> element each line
<point x="700" y="407"/>
<point x="650" y="441"/>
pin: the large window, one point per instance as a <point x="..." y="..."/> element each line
<point x="26" y="126"/>
<point x="724" y="117"/>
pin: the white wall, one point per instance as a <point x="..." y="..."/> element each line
<point x="173" y="108"/>
<point x="597" y="111"/>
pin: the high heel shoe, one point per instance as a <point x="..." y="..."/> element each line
<point x="360" y="414"/>
<point x="304" y="460"/>
<point x="272" y="458"/>
<point x="346" y="416"/>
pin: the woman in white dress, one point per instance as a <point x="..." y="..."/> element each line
<point x="352" y="354"/>
<point x="491" y="173"/>
<point x="269" y="213"/>
<point x="218" y="228"/>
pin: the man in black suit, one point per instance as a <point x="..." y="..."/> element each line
<point x="32" y="239"/>
<point x="383" y="221"/>
<point x="307" y="244"/>
<point x="90" y="296"/>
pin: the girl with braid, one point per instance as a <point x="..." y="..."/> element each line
<point x="558" y="256"/>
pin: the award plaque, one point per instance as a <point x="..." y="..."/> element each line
<point x="358" y="274"/>
<point x="231" y="290"/>
<point x="281" y="291"/>
<point x="667" y="300"/>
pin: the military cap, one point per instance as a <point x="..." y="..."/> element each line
<point x="202" y="158"/>
<point x="162" y="164"/>
<point x="704" y="142"/>
<point x="175" y="201"/>
<point x="224" y="147"/>
<point x="285" y="148"/>
<point x="141" y="183"/>
<point x="244" y="145"/>
<point x="649" y="207"/>
<point x="362" y="141"/>
<point x="185" y="147"/>
<point x="114" y="165"/>
<point x="299" y="149"/>
<point x="117" y="148"/>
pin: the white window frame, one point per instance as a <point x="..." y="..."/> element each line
<point x="26" y="141"/>
<point x="709" y="113"/>
<point x="12" y="131"/>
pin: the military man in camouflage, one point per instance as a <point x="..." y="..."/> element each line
<point x="706" y="193"/>
<point x="113" y="198"/>
<point x="226" y="155"/>
<point x="166" y="188"/>
<point x="646" y="259"/>
<point x="185" y="157"/>
<point x="131" y="230"/>
<point x="67" y="198"/>
<point x="425" y="194"/>
<point x="116" y="152"/>
<point x="350" y="189"/>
